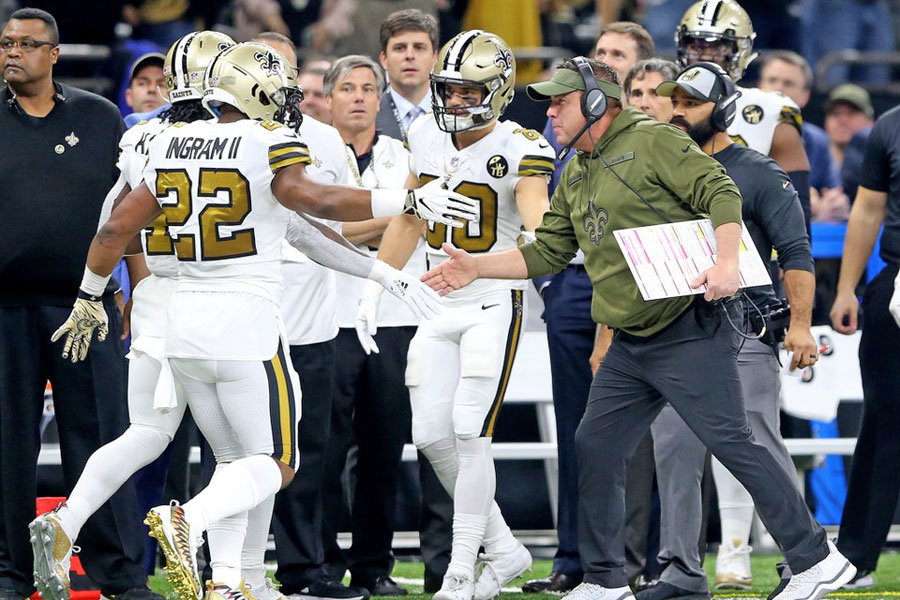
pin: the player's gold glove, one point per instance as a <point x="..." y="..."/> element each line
<point x="87" y="316"/>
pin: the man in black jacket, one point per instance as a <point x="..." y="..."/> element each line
<point x="59" y="163"/>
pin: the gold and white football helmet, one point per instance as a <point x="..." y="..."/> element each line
<point x="187" y="60"/>
<point x="251" y="77"/>
<point x="718" y="31"/>
<point x="479" y="59"/>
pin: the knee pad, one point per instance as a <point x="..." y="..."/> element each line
<point x="480" y="354"/>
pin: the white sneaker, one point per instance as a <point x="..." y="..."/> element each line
<point x="733" y="570"/>
<point x="267" y="590"/>
<point x="826" y="576"/>
<point x="456" y="586"/>
<point x="593" y="591"/>
<point x="497" y="571"/>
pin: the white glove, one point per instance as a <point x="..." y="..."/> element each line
<point x="894" y="304"/>
<point x="366" y="314"/>
<point x="430" y="202"/>
<point x="421" y="299"/>
<point x="87" y="315"/>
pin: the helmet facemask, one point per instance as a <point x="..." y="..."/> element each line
<point x="722" y="49"/>
<point x="290" y="114"/>
<point x="455" y="119"/>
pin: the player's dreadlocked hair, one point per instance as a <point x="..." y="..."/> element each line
<point x="186" y="111"/>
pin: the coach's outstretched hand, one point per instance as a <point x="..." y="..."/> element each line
<point x="435" y="203"/>
<point x="87" y="315"/>
<point x="458" y="271"/>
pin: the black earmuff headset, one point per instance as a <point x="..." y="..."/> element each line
<point x="726" y="108"/>
<point x="593" y="100"/>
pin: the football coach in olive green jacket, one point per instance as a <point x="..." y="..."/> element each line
<point x="632" y="171"/>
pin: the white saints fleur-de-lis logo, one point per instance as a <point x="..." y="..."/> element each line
<point x="72" y="139"/>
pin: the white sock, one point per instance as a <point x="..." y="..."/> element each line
<point x="105" y="472"/>
<point x="237" y="487"/>
<point x="226" y="539"/>
<point x="468" y="531"/>
<point x="498" y="539"/>
<point x="476" y="480"/>
<point x="259" y="519"/>
<point x="735" y="506"/>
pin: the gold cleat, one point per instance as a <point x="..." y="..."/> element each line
<point x="52" y="554"/>
<point x="168" y="525"/>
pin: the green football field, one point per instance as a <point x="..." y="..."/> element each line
<point x="409" y="574"/>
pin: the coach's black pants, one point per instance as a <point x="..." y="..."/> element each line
<point x="875" y="472"/>
<point x="91" y="410"/>
<point x="297" y="522"/>
<point x="692" y="364"/>
<point x="371" y="401"/>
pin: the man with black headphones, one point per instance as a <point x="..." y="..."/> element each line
<point x="703" y="99"/>
<point x="632" y="171"/>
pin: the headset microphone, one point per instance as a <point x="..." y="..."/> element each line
<point x="564" y="151"/>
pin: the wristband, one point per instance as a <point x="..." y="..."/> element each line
<point x="93" y="285"/>
<point x="388" y="203"/>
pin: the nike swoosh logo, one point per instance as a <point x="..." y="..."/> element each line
<point x="685" y="149"/>
<point x="784" y="185"/>
<point x="487" y="306"/>
<point x="543" y="145"/>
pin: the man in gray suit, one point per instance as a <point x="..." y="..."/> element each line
<point x="409" y="43"/>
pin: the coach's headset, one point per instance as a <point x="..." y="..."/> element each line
<point x="725" y="109"/>
<point x="594" y="100"/>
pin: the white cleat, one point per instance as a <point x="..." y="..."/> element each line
<point x="824" y="577"/>
<point x="733" y="570"/>
<point x="593" y="591"/>
<point x="52" y="550"/>
<point x="497" y="571"/>
<point x="267" y="590"/>
<point x="456" y="586"/>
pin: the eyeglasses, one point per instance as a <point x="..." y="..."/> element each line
<point x="25" y="45"/>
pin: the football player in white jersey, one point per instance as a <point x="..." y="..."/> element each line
<point x="458" y="365"/>
<point x="152" y="275"/>
<point x="225" y="187"/>
<point x="308" y="303"/>
<point x="720" y="31"/>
